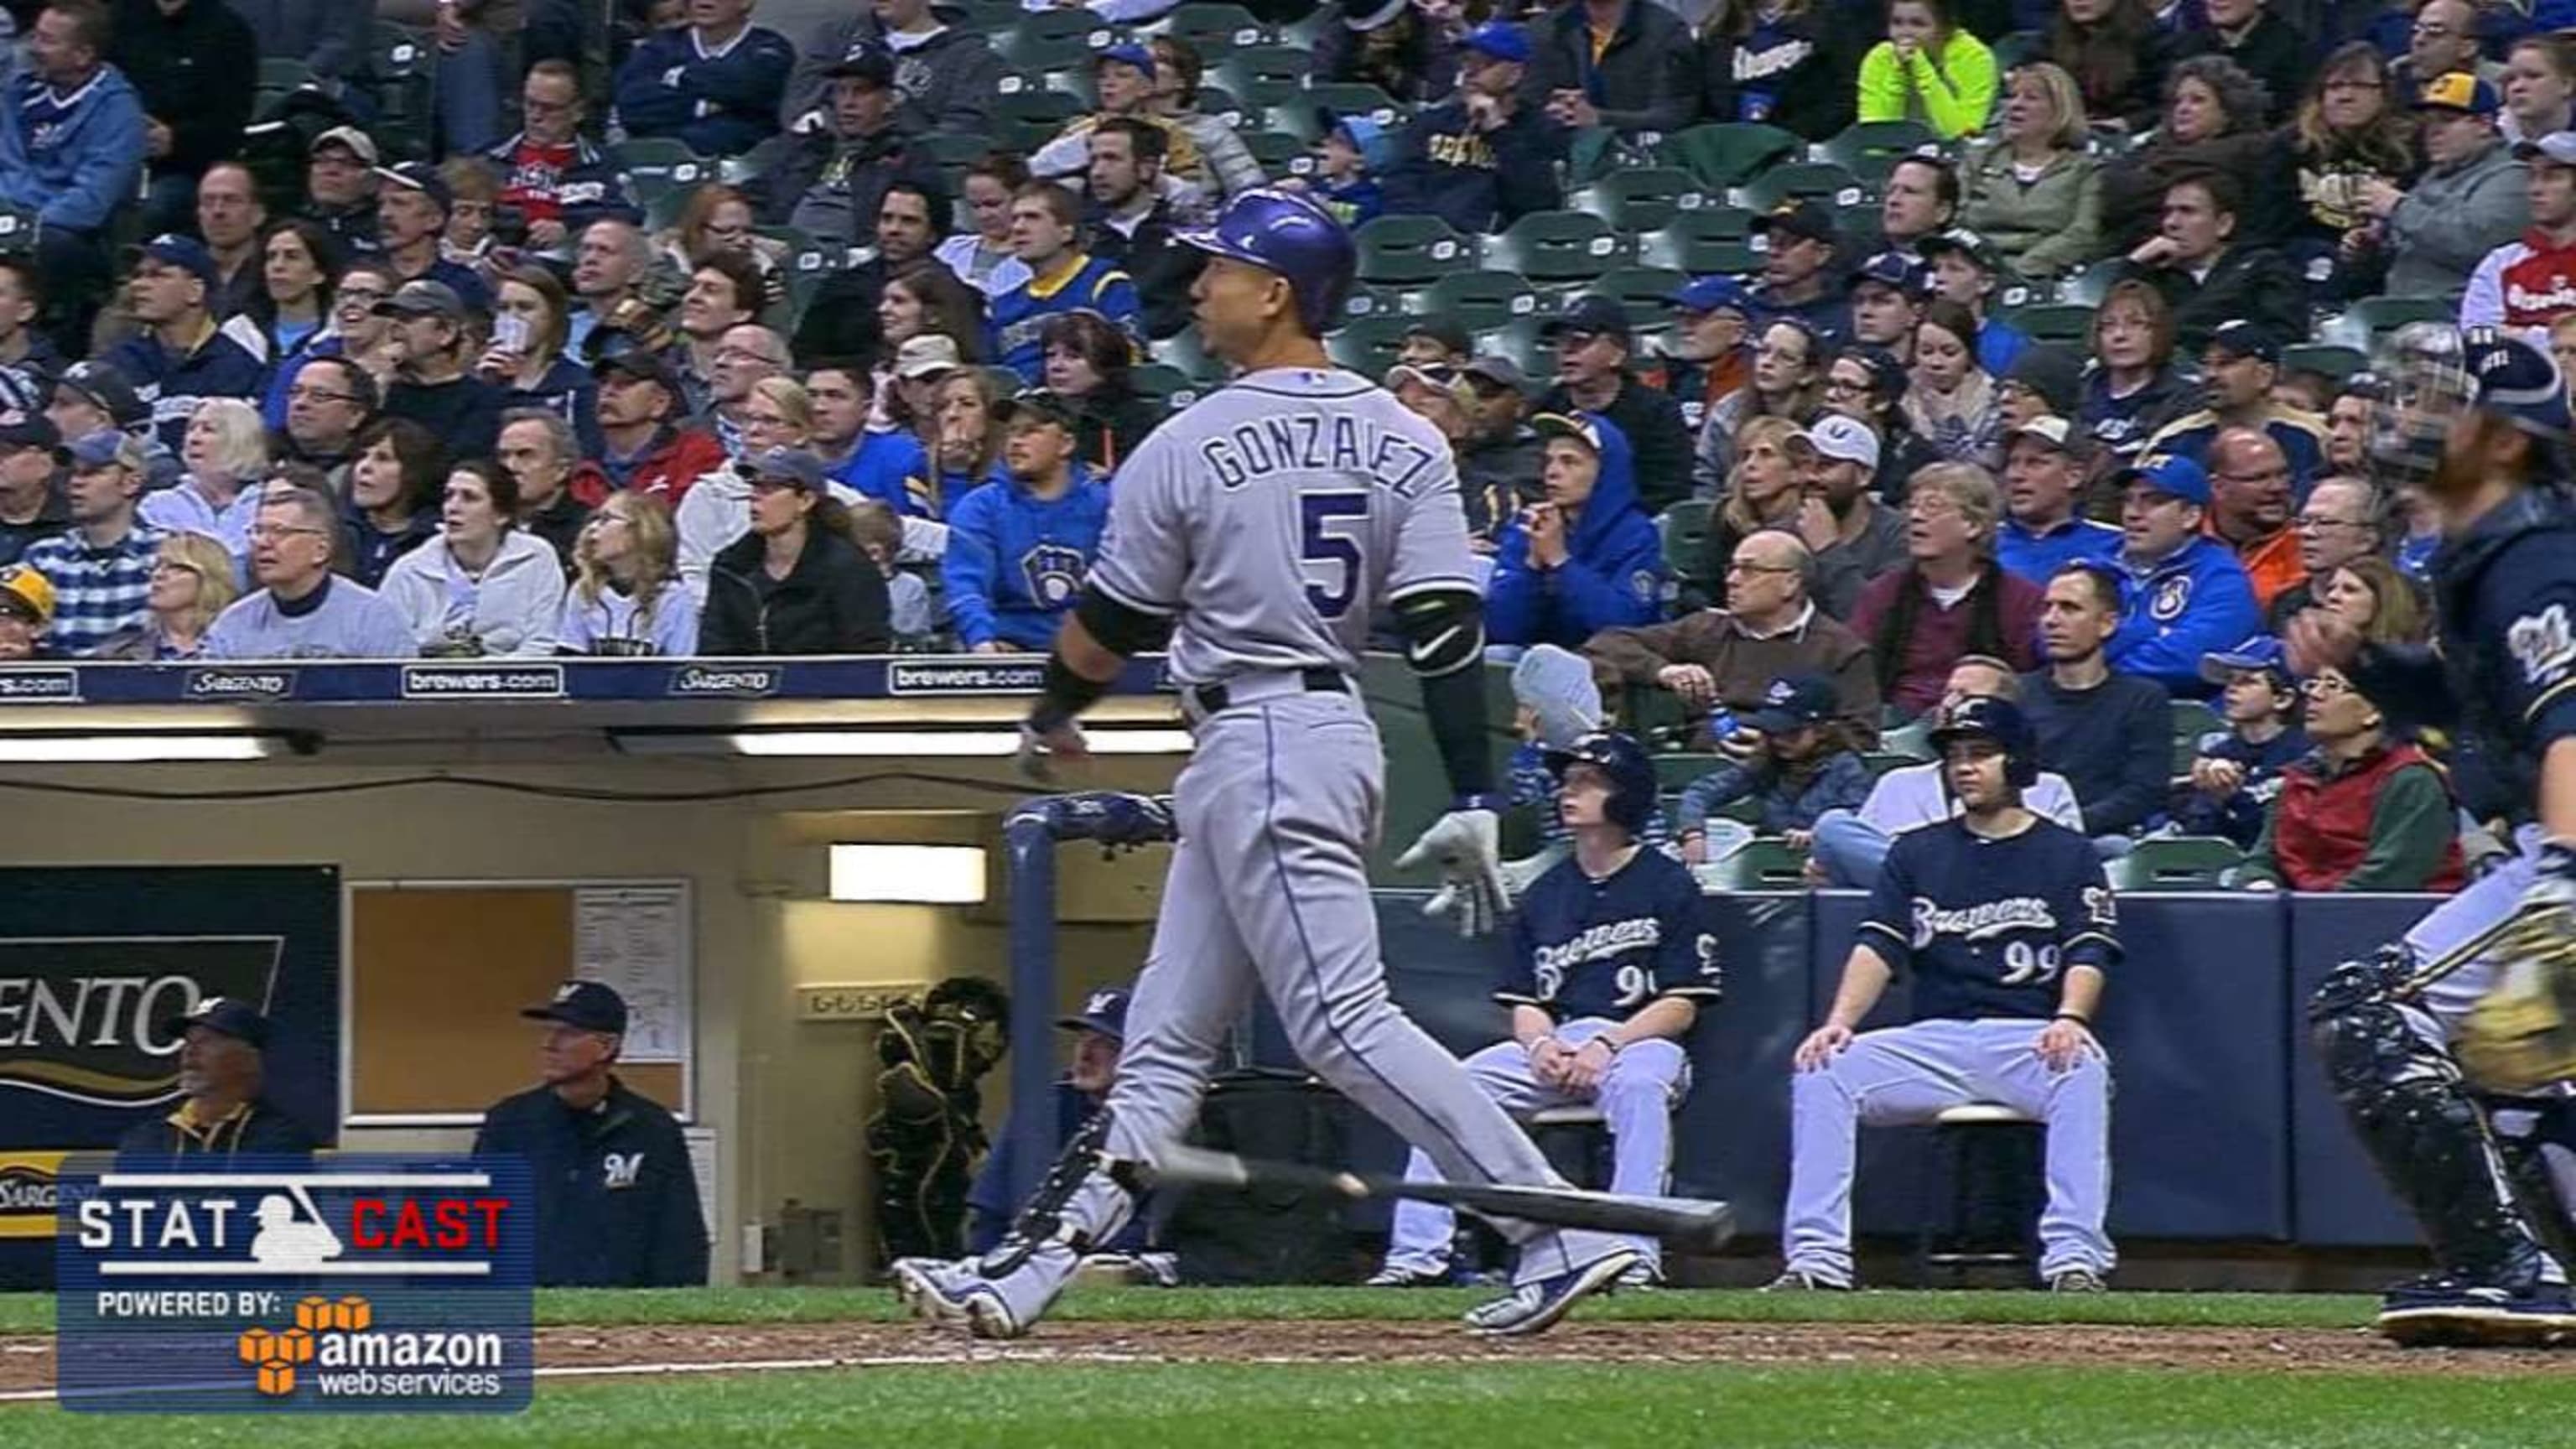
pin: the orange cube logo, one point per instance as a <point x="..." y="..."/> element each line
<point x="313" y="1314"/>
<point x="257" y="1345"/>
<point x="276" y="1379"/>
<point x="352" y="1315"/>
<point x="294" y="1346"/>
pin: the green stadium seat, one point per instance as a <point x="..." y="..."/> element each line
<point x="1677" y="769"/>
<point x="1520" y="340"/>
<point x="1800" y="181"/>
<point x="1556" y="247"/>
<point x="1265" y="75"/>
<point x="1217" y="101"/>
<point x="1215" y="29"/>
<point x="1653" y="715"/>
<point x="1643" y="199"/>
<point x="402" y="59"/>
<point x="1368" y="345"/>
<point x="1879" y="762"/>
<point x="1183" y="354"/>
<point x="1052" y="41"/>
<point x="2088" y="285"/>
<point x="1367" y="301"/>
<point x="18" y="228"/>
<point x="662" y="158"/>
<point x="2019" y="48"/>
<point x="1871" y="149"/>
<point x="1343" y="98"/>
<point x="1478" y="301"/>
<point x="1025" y="119"/>
<point x="1764" y="863"/>
<point x="1728" y="154"/>
<point x="2053" y="321"/>
<point x="1642" y="290"/>
<point x="1411" y="251"/>
<point x="1159" y="382"/>
<point x="954" y="148"/>
<point x="2373" y="318"/>
<point x="2175" y="863"/>
<point x="2191" y="719"/>
<point x="2335" y="362"/>
<point x="283" y="73"/>
<point x="1278" y="152"/>
<point x="1912" y="739"/>
<point x="1705" y="242"/>
<point x="1685" y="529"/>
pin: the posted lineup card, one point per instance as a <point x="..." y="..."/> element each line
<point x="357" y="1284"/>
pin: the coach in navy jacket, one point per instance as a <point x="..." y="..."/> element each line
<point x="617" y="1202"/>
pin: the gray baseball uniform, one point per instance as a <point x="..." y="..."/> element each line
<point x="1269" y="521"/>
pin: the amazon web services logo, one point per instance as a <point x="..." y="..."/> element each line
<point x="341" y="1352"/>
<point x="359" y="1284"/>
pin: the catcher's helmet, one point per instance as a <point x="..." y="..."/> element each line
<point x="2001" y="721"/>
<point x="1294" y="238"/>
<point x="1632" y="775"/>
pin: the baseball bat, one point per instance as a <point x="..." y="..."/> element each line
<point x="1682" y="1221"/>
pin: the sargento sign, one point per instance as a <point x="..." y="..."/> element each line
<point x="80" y="1018"/>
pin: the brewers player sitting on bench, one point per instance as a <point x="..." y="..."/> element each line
<point x="1609" y="965"/>
<point x="2008" y="925"/>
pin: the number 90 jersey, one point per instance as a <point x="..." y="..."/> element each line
<point x="1583" y="947"/>
<point x="1989" y="926"/>
<point x="1274" y="516"/>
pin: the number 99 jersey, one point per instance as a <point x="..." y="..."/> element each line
<point x="1584" y="948"/>
<point x="1989" y="926"/>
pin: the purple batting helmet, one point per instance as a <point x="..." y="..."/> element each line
<point x="1290" y="237"/>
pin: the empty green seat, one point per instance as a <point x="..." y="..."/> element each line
<point x="1410" y="251"/>
<point x="1556" y="247"/>
<point x="1640" y="200"/>
<point x="1871" y="149"/>
<point x="1478" y="301"/>
<point x="1729" y="153"/>
<point x="2176" y="863"/>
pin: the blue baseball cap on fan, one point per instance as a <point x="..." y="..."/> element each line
<point x="2262" y="651"/>
<point x="1712" y="294"/>
<point x="2170" y="475"/>
<point x="2516" y="381"/>
<point x="1500" y="39"/>
<point x="1102" y="1011"/>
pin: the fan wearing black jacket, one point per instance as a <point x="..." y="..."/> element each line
<point x="794" y="584"/>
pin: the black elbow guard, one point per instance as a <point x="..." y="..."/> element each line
<point x="1118" y="628"/>
<point x="1444" y="632"/>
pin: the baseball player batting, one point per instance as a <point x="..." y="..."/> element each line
<point x="2007" y="925"/>
<point x="2480" y="423"/>
<point x="1258" y="532"/>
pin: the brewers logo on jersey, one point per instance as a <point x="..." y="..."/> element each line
<point x="1586" y="947"/>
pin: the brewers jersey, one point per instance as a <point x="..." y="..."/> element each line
<point x="1583" y="947"/>
<point x="1988" y="926"/>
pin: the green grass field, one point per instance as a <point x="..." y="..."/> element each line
<point x="1481" y="1403"/>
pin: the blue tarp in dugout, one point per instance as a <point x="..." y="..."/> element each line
<point x="91" y="959"/>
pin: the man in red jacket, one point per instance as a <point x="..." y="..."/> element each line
<point x="648" y="451"/>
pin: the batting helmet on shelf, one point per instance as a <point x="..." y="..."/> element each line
<point x="1293" y="238"/>
<point x="2001" y="721"/>
<point x="1632" y="775"/>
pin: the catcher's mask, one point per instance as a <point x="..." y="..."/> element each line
<point x="2439" y="377"/>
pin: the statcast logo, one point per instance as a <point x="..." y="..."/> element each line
<point x="338" y="1350"/>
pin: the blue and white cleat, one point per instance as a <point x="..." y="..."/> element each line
<point x="2440" y="1310"/>
<point x="1535" y="1307"/>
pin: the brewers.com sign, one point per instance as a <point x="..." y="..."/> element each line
<point x="81" y="1018"/>
<point x="97" y="960"/>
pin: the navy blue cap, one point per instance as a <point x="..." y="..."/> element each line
<point x="103" y="384"/>
<point x="1500" y="39"/>
<point x="238" y="1019"/>
<point x="185" y="252"/>
<point x="874" y="67"/>
<point x="422" y="177"/>
<point x="2166" y="473"/>
<point x="1713" y="294"/>
<point x="584" y="1006"/>
<point x="1102" y="1011"/>
<point x="1895" y="269"/>
<point x="29" y="430"/>
<point x="2241" y="338"/>
<point x="1591" y="314"/>
<point x="1794" y="703"/>
<point x="2261" y="651"/>
<point x="2515" y="380"/>
<point x="787" y="465"/>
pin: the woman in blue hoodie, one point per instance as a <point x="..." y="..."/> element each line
<point x="1585" y="558"/>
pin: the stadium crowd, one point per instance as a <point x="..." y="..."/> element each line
<point x="1896" y="351"/>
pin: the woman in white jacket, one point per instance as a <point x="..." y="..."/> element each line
<point x="484" y="586"/>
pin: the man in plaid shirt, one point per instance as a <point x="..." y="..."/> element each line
<point x="102" y="569"/>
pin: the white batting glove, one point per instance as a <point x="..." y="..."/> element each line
<point x="1467" y="846"/>
<point x="1519" y="875"/>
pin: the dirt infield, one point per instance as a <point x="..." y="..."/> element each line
<point x="27" y="1363"/>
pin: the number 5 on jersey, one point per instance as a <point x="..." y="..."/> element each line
<point x="1329" y="548"/>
